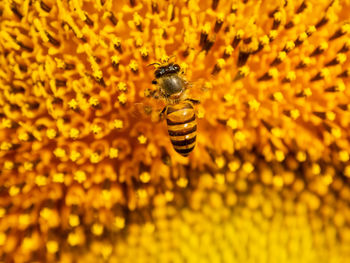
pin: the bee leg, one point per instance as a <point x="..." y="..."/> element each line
<point x="154" y="82"/>
<point x="194" y="101"/>
<point x="151" y="93"/>
<point x="162" y="113"/>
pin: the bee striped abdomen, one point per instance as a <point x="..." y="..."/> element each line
<point x="182" y="127"/>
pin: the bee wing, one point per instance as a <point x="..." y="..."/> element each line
<point x="141" y="110"/>
<point x="199" y="89"/>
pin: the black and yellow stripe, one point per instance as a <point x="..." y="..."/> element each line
<point x="182" y="127"/>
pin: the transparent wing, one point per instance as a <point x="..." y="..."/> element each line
<point x="199" y="90"/>
<point x="147" y="110"/>
<point x="141" y="110"/>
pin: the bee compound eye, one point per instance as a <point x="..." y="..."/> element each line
<point x="176" y="67"/>
<point x="157" y="73"/>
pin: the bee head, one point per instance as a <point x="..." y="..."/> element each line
<point x="171" y="68"/>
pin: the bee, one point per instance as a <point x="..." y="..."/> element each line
<point x="179" y="110"/>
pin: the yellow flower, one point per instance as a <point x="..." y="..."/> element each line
<point x="268" y="179"/>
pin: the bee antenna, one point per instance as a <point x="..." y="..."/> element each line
<point x="155" y="63"/>
<point x="170" y="58"/>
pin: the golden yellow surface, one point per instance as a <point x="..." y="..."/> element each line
<point x="84" y="178"/>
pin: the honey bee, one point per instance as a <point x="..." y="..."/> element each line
<point x="179" y="111"/>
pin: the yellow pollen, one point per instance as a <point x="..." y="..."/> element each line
<point x="74" y="155"/>
<point x="229" y="97"/>
<point x="51" y="133"/>
<point x="277" y="181"/>
<point x="58" y="178"/>
<point x="240" y="33"/>
<point x="14" y="190"/>
<point x="142" y="139"/>
<point x="40" y="180"/>
<point x="229" y="50"/>
<point x="139" y="42"/>
<point x="133" y="65"/>
<point x="122" y="86"/>
<point x="73" y="220"/>
<point x="341" y="58"/>
<point x="6" y="123"/>
<point x="2" y="212"/>
<point x="273" y="72"/>
<point x="278" y="96"/>
<point x="52" y="246"/>
<point x="279" y="155"/>
<point x="345" y="28"/>
<point x="273" y="34"/>
<point x="306" y="61"/>
<point x="28" y="166"/>
<point x="206" y="28"/>
<point x="248" y="167"/>
<point x="74" y="133"/>
<point x="220" y="162"/>
<point x="316" y="169"/>
<point x="239" y="136"/>
<point x="220" y="62"/>
<point x="330" y="115"/>
<point x="59" y="153"/>
<point x="142" y="193"/>
<point x="182" y="182"/>
<point x="347" y="171"/>
<point x="2" y="238"/>
<point x="294" y="114"/>
<point x="276" y="132"/>
<point x="60" y="63"/>
<point x="23" y="136"/>
<point x="113" y="153"/>
<point x="96" y="129"/>
<point x="8" y="165"/>
<point x="254" y="105"/>
<point x="5" y="146"/>
<point x="232" y="123"/>
<point x="145" y="177"/>
<point x="95" y="157"/>
<point x="323" y="46"/>
<point x="281" y="55"/>
<point x="344" y="156"/>
<point x="340" y="86"/>
<point x="73" y="104"/>
<point x="327" y="179"/>
<point x="307" y="92"/>
<point x="310" y="30"/>
<point x="291" y="76"/>
<point x="24" y="220"/>
<point x="73" y="239"/>
<point x="200" y="113"/>
<point x="122" y="98"/>
<point x="80" y="176"/>
<point x="264" y="40"/>
<point x="234" y="166"/>
<point x="301" y="156"/>
<point x="336" y="132"/>
<point x="115" y="59"/>
<point x="94" y="102"/>
<point x="302" y="36"/>
<point x="137" y="19"/>
<point x="46" y="213"/>
<point x="290" y="45"/>
<point x="118" y="124"/>
<point x="119" y="222"/>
